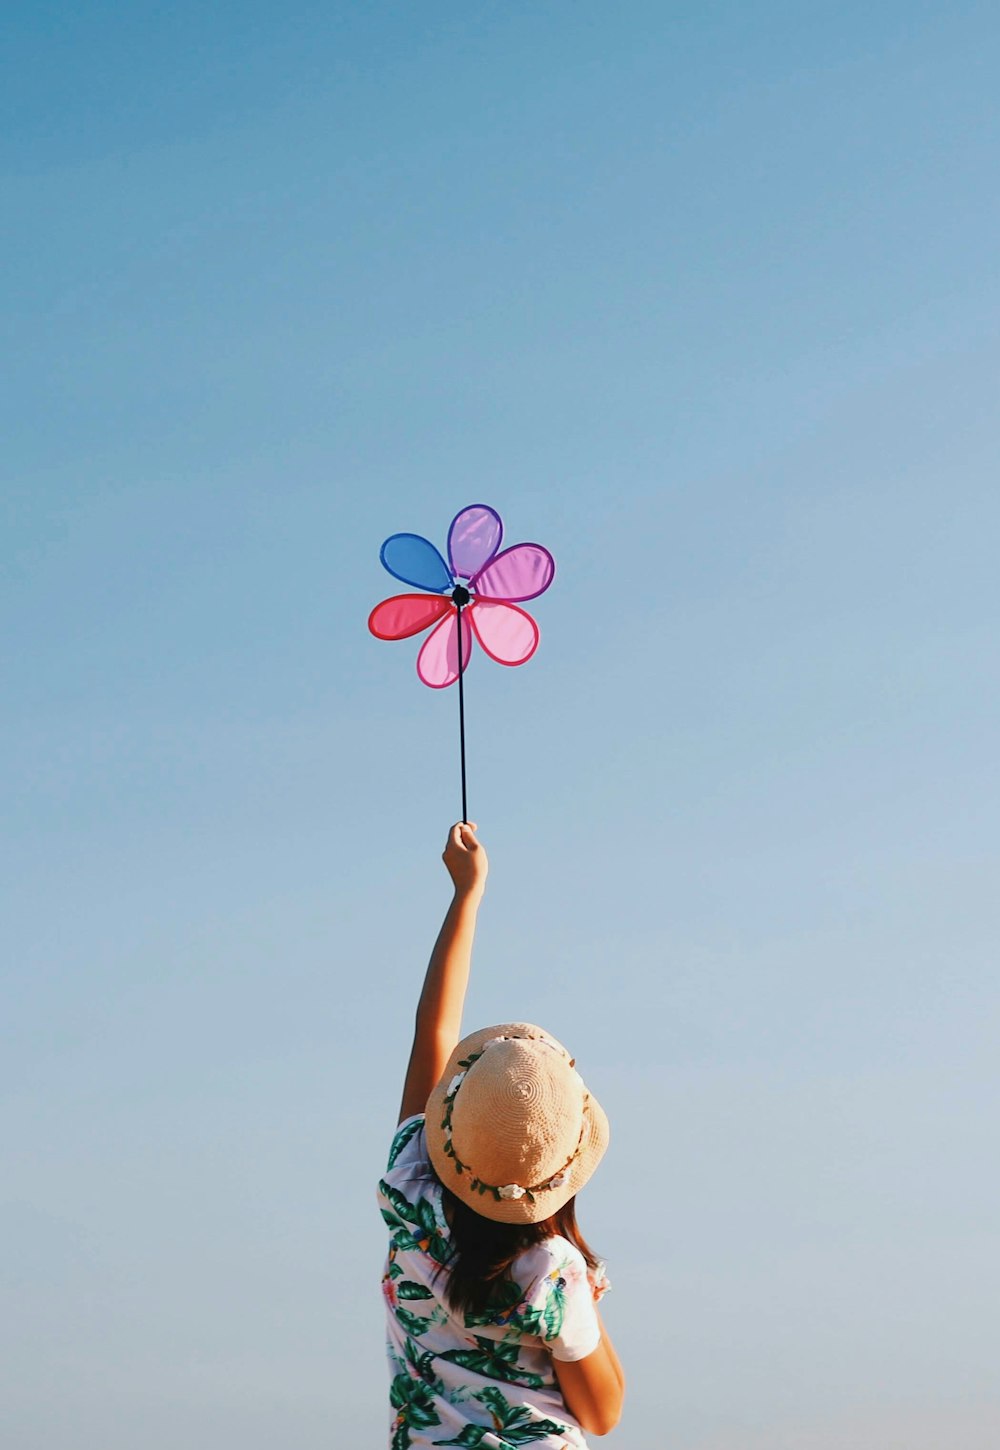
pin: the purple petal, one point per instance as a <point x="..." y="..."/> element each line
<point x="522" y="572"/>
<point x="473" y="539"/>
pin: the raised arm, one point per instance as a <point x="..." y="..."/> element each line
<point x="439" y="1011"/>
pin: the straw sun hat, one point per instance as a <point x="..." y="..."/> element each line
<point x="511" y="1129"/>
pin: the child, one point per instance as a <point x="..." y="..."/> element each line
<point x="493" y="1332"/>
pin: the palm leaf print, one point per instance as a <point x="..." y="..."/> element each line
<point x="414" y="1406"/>
<point x="403" y="1136"/>
<point x="555" y="1307"/>
<point x="506" y="1295"/>
<point x="413" y="1323"/>
<point x="512" y="1425"/>
<point x="546" y="1322"/>
<point x="407" y="1289"/>
<point x="422" y="1366"/>
<point x="413" y="1225"/>
<point x="495" y="1361"/>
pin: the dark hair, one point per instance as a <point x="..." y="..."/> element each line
<point x="484" y="1250"/>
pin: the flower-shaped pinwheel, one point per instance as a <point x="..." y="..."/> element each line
<point x="484" y="605"/>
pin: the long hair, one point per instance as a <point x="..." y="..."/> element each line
<point x="484" y="1250"/>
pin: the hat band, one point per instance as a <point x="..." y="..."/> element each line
<point x="506" y="1190"/>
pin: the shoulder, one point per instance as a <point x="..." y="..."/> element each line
<point x="554" y="1262"/>
<point x="410" y="1197"/>
<point x="552" y="1255"/>
<point x="409" y="1174"/>
<point x="558" y="1303"/>
<point x="408" y="1144"/>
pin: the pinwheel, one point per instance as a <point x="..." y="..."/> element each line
<point x="476" y="593"/>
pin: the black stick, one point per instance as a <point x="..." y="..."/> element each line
<point x="461" y="714"/>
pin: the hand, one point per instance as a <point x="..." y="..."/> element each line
<point x="598" y="1280"/>
<point x="466" y="859"/>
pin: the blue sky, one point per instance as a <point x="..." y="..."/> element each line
<point x="705" y="299"/>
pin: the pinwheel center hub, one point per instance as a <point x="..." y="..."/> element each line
<point x="461" y="596"/>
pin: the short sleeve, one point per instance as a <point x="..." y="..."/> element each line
<point x="560" y="1301"/>
<point x="406" y="1146"/>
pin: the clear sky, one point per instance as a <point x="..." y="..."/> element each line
<point x="705" y="298"/>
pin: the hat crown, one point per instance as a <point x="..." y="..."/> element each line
<point x="518" y="1114"/>
<point x="510" y="1128"/>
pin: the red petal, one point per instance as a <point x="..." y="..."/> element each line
<point x="406" y="614"/>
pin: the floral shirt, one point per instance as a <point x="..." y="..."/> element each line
<point x="485" y="1382"/>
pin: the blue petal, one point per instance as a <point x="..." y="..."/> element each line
<point x="416" y="561"/>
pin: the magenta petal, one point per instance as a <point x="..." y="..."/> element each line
<point x="508" y="635"/>
<point x="522" y="572"/>
<point x="406" y="614"/>
<point x="473" y="539"/>
<point x="437" y="662"/>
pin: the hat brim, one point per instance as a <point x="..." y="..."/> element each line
<point x="531" y="1208"/>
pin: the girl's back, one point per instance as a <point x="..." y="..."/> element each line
<point x="465" y="1378"/>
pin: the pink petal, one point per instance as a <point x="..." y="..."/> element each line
<point x="406" y="614"/>
<point x="473" y="539"/>
<point x="506" y="633"/>
<point x="437" y="662"/>
<point x="523" y="572"/>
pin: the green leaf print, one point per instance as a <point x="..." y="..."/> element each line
<point x="495" y="1361"/>
<point x="402" y="1238"/>
<point x="555" y="1309"/>
<point x="414" y="1225"/>
<point x="407" y="1289"/>
<point x="403" y="1136"/>
<point x="499" y="1404"/>
<point x="527" y="1320"/>
<point x="414" y="1406"/>
<point x="422" y="1367"/>
<point x="399" y="1201"/>
<point x="512" y="1424"/>
<point x="527" y="1434"/>
<point x="415" y="1324"/>
<point x="505" y="1295"/>
<point x="471" y="1437"/>
<point x="426" y="1217"/>
<point x="546" y="1322"/>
